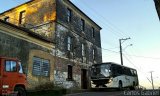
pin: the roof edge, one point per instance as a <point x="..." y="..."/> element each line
<point x="27" y="31"/>
<point x="83" y="13"/>
<point x="16" y="6"/>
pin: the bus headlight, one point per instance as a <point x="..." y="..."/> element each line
<point x="110" y="80"/>
<point x="5" y="86"/>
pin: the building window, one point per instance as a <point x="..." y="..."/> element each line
<point x="40" y="66"/>
<point x="70" y="72"/>
<point x="82" y="25"/>
<point x="93" y="54"/>
<point x="69" y="43"/>
<point x="10" y="66"/>
<point x="83" y="50"/>
<point x="69" y="15"/>
<point x="22" y="17"/>
<point x="93" y="32"/>
<point x="6" y="19"/>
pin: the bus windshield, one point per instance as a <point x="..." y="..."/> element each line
<point x="101" y="70"/>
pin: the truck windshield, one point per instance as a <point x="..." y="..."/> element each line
<point x="102" y="70"/>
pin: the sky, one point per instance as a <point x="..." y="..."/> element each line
<point x="119" y="19"/>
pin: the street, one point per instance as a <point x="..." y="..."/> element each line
<point x="116" y="93"/>
<point x="149" y="92"/>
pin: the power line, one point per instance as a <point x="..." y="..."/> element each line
<point x="144" y="57"/>
<point x="137" y="68"/>
<point x="132" y="55"/>
<point x="108" y="22"/>
<point x="108" y="26"/>
<point x="111" y="27"/>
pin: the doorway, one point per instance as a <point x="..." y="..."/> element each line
<point x="84" y="79"/>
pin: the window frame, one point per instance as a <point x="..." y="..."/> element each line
<point x="10" y="66"/>
<point x="83" y="50"/>
<point x="69" y="43"/>
<point x="69" y="15"/>
<point x="40" y="71"/>
<point x="93" y="32"/>
<point x="82" y="25"/>
<point x="70" y="73"/>
<point x="93" y="54"/>
<point x="22" y="16"/>
<point x="6" y="19"/>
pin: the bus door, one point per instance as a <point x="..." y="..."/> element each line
<point x="10" y="74"/>
<point x="127" y="75"/>
<point x="84" y="79"/>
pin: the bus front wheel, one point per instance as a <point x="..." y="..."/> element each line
<point x="120" y="86"/>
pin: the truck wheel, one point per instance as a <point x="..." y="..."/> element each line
<point x="21" y="91"/>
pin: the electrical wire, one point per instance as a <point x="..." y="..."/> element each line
<point x="108" y="22"/>
<point x="137" y="68"/>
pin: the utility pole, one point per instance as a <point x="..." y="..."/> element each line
<point x="120" y="43"/>
<point x="152" y="80"/>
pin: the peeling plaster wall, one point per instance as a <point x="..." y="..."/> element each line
<point x="14" y="46"/>
<point x="39" y="16"/>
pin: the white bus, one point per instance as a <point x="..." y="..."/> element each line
<point x="112" y="75"/>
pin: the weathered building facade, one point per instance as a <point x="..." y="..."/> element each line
<point x="75" y="37"/>
<point x="23" y="44"/>
<point x="157" y="4"/>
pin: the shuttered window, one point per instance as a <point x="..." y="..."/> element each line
<point x="40" y="66"/>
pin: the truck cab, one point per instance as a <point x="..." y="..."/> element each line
<point x="12" y="78"/>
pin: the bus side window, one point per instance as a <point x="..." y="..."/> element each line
<point x="135" y="72"/>
<point x="120" y="70"/>
<point x="113" y="68"/>
<point x="132" y="72"/>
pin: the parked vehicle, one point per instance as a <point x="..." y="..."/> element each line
<point x="112" y="75"/>
<point x="12" y="78"/>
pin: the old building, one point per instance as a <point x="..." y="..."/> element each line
<point x="157" y="4"/>
<point x="29" y="47"/>
<point x="75" y="37"/>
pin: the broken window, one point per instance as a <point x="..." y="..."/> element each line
<point x="40" y="66"/>
<point x="22" y="17"/>
<point x="69" y="43"/>
<point x="82" y="25"/>
<point x="70" y="72"/>
<point x="6" y="19"/>
<point x="69" y="15"/>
